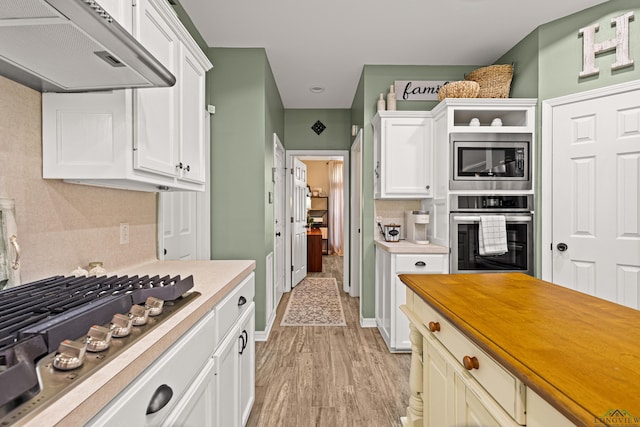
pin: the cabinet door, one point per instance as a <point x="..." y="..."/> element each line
<point x="406" y="156"/>
<point x="401" y="339"/>
<point x="156" y="109"/>
<point x="196" y="406"/>
<point x="438" y="386"/>
<point x="469" y="409"/>
<point x="192" y="118"/>
<point x="235" y="373"/>
<point x="383" y="294"/>
<point x="247" y="366"/>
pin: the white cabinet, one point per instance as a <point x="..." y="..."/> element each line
<point x="207" y="378"/>
<point x="451" y="120"/>
<point x="234" y="365"/>
<point x="391" y="292"/>
<point x="402" y="154"/>
<point x="147" y="139"/>
<point x="166" y="380"/>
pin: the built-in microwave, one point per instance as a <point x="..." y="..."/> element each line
<point x="496" y="162"/>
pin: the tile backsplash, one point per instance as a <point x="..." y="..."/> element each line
<point x="61" y="225"/>
<point x="392" y="212"/>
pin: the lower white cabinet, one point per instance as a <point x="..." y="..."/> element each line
<point x="391" y="292"/>
<point x="207" y="378"/>
<point x="234" y="363"/>
<point x="195" y="408"/>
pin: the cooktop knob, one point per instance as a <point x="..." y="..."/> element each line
<point x="98" y="338"/>
<point x="121" y="325"/>
<point x="70" y="355"/>
<point x="140" y="314"/>
<point x="155" y="304"/>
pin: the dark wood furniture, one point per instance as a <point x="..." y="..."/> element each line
<point x="314" y="250"/>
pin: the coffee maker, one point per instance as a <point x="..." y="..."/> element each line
<point x="416" y="222"/>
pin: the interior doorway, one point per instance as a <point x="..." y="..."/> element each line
<point x="321" y="156"/>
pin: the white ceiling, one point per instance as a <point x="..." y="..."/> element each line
<point x="326" y="43"/>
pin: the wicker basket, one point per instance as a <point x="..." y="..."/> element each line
<point x="461" y="89"/>
<point x="494" y="80"/>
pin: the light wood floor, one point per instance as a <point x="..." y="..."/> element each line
<point x="329" y="376"/>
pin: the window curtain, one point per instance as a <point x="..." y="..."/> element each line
<point x="336" y="207"/>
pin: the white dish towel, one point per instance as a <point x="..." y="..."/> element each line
<point x="492" y="236"/>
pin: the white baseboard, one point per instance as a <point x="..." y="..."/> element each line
<point x="264" y="335"/>
<point x="368" y="322"/>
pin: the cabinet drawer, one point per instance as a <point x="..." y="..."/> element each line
<point x="416" y="263"/>
<point x="175" y="368"/>
<point x="503" y="387"/>
<point x="233" y="305"/>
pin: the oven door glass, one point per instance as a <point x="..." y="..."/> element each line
<point x="519" y="255"/>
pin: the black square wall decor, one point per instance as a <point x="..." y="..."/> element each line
<point x="318" y="127"/>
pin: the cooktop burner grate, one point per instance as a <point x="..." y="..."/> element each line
<point x="36" y="317"/>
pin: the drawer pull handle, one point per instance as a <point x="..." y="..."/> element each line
<point x="470" y="362"/>
<point x="434" y="326"/>
<point x="242" y="301"/>
<point x="160" y="398"/>
<point x="421" y="264"/>
<point x="245" y="340"/>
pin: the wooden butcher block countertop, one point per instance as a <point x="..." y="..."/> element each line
<point x="579" y="353"/>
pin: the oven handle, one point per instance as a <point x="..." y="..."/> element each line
<point x="508" y="218"/>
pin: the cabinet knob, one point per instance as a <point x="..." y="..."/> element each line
<point x="470" y="362"/>
<point x="428" y="187"/>
<point x="434" y="326"/>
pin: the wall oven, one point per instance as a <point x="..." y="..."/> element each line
<point x="467" y="211"/>
<point x="491" y="162"/>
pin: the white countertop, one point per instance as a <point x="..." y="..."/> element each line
<point x="406" y="247"/>
<point x="213" y="279"/>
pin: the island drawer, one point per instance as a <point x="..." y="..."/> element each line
<point x="501" y="385"/>
<point x="421" y="263"/>
<point x="233" y="305"/>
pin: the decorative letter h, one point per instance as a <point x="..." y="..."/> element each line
<point x="620" y="43"/>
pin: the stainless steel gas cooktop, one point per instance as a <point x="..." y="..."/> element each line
<point x="56" y="332"/>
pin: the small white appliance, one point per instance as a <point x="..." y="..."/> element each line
<point x="417" y="226"/>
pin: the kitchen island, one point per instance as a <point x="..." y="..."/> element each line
<point x="213" y="280"/>
<point x="543" y="354"/>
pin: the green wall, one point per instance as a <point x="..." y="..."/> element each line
<point x="248" y="111"/>
<point x="299" y="135"/>
<point x="375" y="80"/>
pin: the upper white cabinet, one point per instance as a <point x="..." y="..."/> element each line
<point x="149" y="139"/>
<point x="402" y="155"/>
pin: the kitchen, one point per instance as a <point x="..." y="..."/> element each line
<point x="51" y="212"/>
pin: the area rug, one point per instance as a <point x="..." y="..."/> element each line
<point x="314" y="302"/>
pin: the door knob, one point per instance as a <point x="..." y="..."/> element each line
<point x="562" y="247"/>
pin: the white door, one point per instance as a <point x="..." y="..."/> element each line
<point x="356" y="213"/>
<point x="279" y="215"/>
<point x="178" y="226"/>
<point x="299" y="222"/>
<point x="596" y="196"/>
